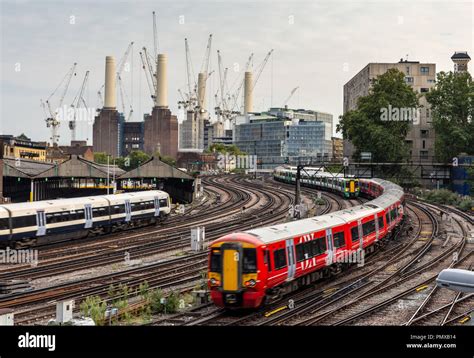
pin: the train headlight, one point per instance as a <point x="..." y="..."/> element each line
<point x="347" y="189"/>
<point x="214" y="282"/>
<point x="250" y="283"/>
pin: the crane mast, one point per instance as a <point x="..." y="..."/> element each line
<point x="76" y="103"/>
<point x="52" y="120"/>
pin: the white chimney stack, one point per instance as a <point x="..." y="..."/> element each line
<point x="110" y="73"/>
<point x="162" y="82"/>
<point x="248" y="95"/>
<point x="202" y="77"/>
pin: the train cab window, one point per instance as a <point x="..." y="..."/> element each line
<point x="249" y="261"/>
<point x="339" y="240"/>
<point x="215" y="264"/>
<point x="279" y="258"/>
<point x="380" y="222"/>
<point x="368" y="228"/>
<point x="163" y="202"/>
<point x="355" y="233"/>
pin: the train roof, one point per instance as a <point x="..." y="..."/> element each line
<point x="42" y="204"/>
<point x="279" y="232"/>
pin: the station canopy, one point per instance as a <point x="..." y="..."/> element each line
<point x="78" y="167"/>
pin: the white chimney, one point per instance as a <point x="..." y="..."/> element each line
<point x="162" y="82"/>
<point x="248" y="95"/>
<point x="110" y="73"/>
<point x="202" y="77"/>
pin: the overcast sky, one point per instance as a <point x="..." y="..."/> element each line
<point x="318" y="46"/>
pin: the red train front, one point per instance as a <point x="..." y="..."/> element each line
<point x="237" y="271"/>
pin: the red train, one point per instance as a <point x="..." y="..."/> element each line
<point x="248" y="269"/>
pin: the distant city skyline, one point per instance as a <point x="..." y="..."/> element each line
<point x="318" y="46"/>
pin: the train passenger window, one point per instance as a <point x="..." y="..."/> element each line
<point x="300" y="252"/>
<point x="4" y="224"/>
<point x="368" y="228"/>
<point x="387" y="219"/>
<point x="339" y="240"/>
<point x="279" y="258"/>
<point x="80" y="214"/>
<point x="24" y="221"/>
<point x="266" y="259"/>
<point x="163" y="202"/>
<point x="355" y="233"/>
<point x="215" y="260"/>
<point x="393" y="214"/>
<point x="319" y="246"/>
<point x="380" y="222"/>
<point x="249" y="261"/>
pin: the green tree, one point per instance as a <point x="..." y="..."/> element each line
<point x="452" y="109"/>
<point x="133" y="160"/>
<point x="222" y="148"/>
<point x="100" y="157"/>
<point x="166" y="159"/>
<point x="365" y="126"/>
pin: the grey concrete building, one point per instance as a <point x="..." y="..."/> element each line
<point x="421" y="76"/>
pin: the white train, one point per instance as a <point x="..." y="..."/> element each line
<point x="346" y="186"/>
<point x="25" y="224"/>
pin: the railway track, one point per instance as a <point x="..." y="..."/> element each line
<point x="32" y="305"/>
<point x="320" y="304"/>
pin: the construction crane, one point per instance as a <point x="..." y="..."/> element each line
<point x="148" y="75"/>
<point x="121" y="67"/>
<point x="147" y="65"/>
<point x="207" y="56"/>
<point x="221" y="109"/>
<point x="261" y="67"/>
<point x="289" y="97"/>
<point x="77" y="102"/>
<point x="191" y="97"/>
<point x="52" y="120"/>
<point x="155" y="37"/>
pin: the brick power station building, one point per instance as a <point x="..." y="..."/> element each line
<point x="159" y="131"/>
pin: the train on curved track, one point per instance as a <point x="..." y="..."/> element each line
<point x="248" y="269"/>
<point x="27" y="224"/>
<point x="347" y="187"/>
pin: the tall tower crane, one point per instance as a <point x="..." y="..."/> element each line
<point x="261" y="67"/>
<point x="189" y="100"/>
<point x="121" y="67"/>
<point x="52" y="116"/>
<point x="77" y="102"/>
<point x="203" y="76"/>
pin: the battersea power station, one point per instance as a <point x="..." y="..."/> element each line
<point x="158" y="133"/>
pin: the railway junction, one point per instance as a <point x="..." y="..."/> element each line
<point x="127" y="270"/>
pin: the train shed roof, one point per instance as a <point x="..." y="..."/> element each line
<point x="155" y="168"/>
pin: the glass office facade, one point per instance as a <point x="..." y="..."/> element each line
<point x="274" y="142"/>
